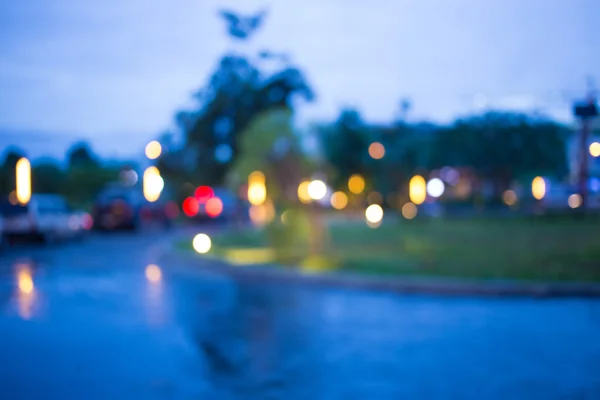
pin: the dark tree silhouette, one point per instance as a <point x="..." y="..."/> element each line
<point x="242" y="27"/>
<point x="80" y="155"/>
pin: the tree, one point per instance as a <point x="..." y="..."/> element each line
<point x="7" y="171"/>
<point x="47" y="177"/>
<point x="270" y="145"/>
<point x="236" y="94"/>
<point x="502" y="147"/>
<point x="345" y="146"/>
<point x="80" y="155"/>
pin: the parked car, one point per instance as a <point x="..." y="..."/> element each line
<point x="80" y="223"/>
<point x="45" y="217"/>
<point x="124" y="207"/>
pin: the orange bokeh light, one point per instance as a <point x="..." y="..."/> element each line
<point x="376" y="150"/>
<point x="214" y="207"/>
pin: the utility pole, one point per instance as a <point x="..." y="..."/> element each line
<point x="585" y="111"/>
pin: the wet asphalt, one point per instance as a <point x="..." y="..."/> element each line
<point x="113" y="317"/>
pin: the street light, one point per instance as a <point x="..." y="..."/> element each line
<point x="153" y="150"/>
<point x="417" y="189"/>
<point x="317" y="189"/>
<point x="356" y="184"/>
<point x="153" y="184"/>
<point x="595" y="149"/>
<point x="23" y="180"/>
<point x="538" y="188"/>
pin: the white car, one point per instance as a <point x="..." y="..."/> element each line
<point x="45" y="216"/>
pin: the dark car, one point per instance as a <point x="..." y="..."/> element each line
<point x="124" y="207"/>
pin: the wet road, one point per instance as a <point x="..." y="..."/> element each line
<point x="112" y="317"/>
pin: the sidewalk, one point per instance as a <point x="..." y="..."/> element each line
<point x="190" y="262"/>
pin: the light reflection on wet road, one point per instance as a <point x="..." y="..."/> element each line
<point x="111" y="318"/>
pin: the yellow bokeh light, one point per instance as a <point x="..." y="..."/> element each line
<point x="23" y="180"/>
<point x="376" y="150"/>
<point x="374" y="213"/>
<point x="356" y="184"/>
<point x="256" y="177"/>
<point x="152" y="184"/>
<point x="317" y="189"/>
<point x="595" y="149"/>
<point x="575" y="200"/>
<point x="25" y="281"/>
<point x="202" y="243"/>
<point x="339" y="200"/>
<point x="153" y="273"/>
<point x="417" y="189"/>
<point x="303" y="193"/>
<point x="153" y="150"/>
<point x="538" y="188"/>
<point x="509" y="197"/>
<point x="409" y="210"/>
<point x="257" y="193"/>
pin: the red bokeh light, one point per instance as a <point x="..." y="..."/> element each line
<point x="214" y="207"/>
<point x="204" y="193"/>
<point x="171" y="210"/>
<point x="190" y="207"/>
<point x="87" y="221"/>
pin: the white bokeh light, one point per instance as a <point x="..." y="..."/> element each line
<point x="202" y="243"/>
<point x="317" y="189"/>
<point x="435" y="187"/>
<point x="374" y="213"/>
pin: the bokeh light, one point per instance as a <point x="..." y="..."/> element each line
<point x="202" y="243"/>
<point x="339" y="200"/>
<point x="23" y="180"/>
<point x="509" y="197"/>
<point x="190" y="207"/>
<point x="214" y="207"/>
<point x="12" y="198"/>
<point x="257" y="193"/>
<point x="153" y="273"/>
<point x="374" y="198"/>
<point x="409" y="210"/>
<point x="317" y="189"/>
<point x="171" y="209"/>
<point x="575" y="200"/>
<point x="356" y="184"/>
<point x="25" y="281"/>
<point x="285" y="216"/>
<point x="435" y="187"/>
<point x="538" y="188"/>
<point x="223" y="153"/>
<point x="263" y="214"/>
<point x="374" y="213"/>
<point x="203" y="194"/>
<point x="595" y="149"/>
<point x="153" y="184"/>
<point x="417" y="189"/>
<point x="376" y="150"/>
<point x="153" y="150"/>
<point x="303" y="194"/>
<point x="256" y="177"/>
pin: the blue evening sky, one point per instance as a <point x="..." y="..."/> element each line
<point x="114" y="72"/>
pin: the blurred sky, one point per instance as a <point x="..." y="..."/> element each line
<point x="115" y="71"/>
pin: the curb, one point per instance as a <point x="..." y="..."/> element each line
<point x="404" y="285"/>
